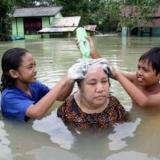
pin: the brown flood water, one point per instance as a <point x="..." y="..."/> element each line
<point x="50" y="139"/>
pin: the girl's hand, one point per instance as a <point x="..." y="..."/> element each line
<point x="77" y="70"/>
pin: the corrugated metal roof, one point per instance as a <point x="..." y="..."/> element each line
<point x="64" y="24"/>
<point x="57" y="29"/>
<point x="90" y="27"/>
<point x="36" y="12"/>
<point x="66" y="21"/>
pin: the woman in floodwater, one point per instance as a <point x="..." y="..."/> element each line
<point x="92" y="106"/>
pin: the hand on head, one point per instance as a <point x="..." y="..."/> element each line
<point x="77" y="70"/>
<point x="80" y="68"/>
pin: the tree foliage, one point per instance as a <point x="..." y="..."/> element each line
<point x="91" y="11"/>
<point x="8" y="6"/>
<point x="33" y="3"/>
<point x="103" y="13"/>
<point x="110" y="11"/>
<point x="5" y="10"/>
<point x="141" y="11"/>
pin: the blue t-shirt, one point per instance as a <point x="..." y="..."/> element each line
<point x="14" y="102"/>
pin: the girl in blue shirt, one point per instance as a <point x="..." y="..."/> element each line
<point x="22" y="96"/>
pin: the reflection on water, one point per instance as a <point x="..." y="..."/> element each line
<point x="51" y="153"/>
<point x="122" y="131"/>
<point x="131" y="155"/>
<point x="49" y="138"/>
<point x="55" y="128"/>
<point x="60" y="135"/>
<point x="5" y="151"/>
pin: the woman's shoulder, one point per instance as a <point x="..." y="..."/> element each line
<point x="113" y="100"/>
<point x="69" y="101"/>
<point x="115" y="103"/>
<point x="117" y="109"/>
<point x="69" y="110"/>
<point x="67" y="104"/>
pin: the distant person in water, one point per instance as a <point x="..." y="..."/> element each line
<point x="91" y="106"/>
<point x="23" y="97"/>
<point x="143" y="85"/>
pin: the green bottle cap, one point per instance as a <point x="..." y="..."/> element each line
<point x="84" y="46"/>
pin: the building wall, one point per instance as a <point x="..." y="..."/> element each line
<point x="46" y="21"/>
<point x="17" y="27"/>
<point x="156" y="31"/>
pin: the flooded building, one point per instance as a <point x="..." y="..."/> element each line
<point x="28" y="21"/>
<point x="149" y="28"/>
<point x="61" y="26"/>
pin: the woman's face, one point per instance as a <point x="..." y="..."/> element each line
<point x="94" y="88"/>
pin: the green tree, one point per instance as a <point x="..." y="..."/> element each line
<point x="91" y="11"/>
<point x="74" y="8"/>
<point x="5" y="10"/>
<point x="106" y="14"/>
<point x="112" y="14"/>
<point x="33" y="3"/>
<point x="139" y="12"/>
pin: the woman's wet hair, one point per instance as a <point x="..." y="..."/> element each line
<point x="79" y="81"/>
<point x="11" y="59"/>
<point x="152" y="57"/>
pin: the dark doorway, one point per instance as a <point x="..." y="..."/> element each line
<point x="32" y="25"/>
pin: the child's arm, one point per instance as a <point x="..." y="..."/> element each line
<point x="138" y="96"/>
<point x="95" y="54"/>
<point x="39" y="109"/>
<point x="66" y="91"/>
<point x="129" y="75"/>
<point x="133" y="91"/>
<point x="128" y="82"/>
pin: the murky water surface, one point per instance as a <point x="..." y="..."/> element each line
<point x="50" y="139"/>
